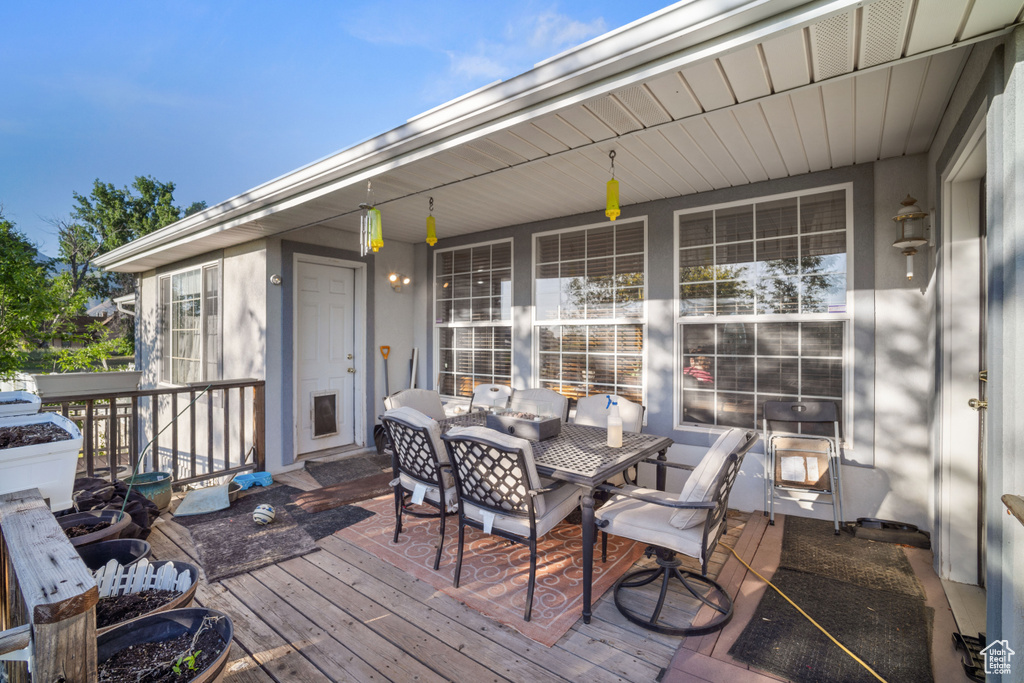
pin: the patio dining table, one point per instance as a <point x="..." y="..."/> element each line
<point x="580" y="455"/>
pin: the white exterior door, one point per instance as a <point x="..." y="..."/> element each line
<point x="324" y="356"/>
<point x="961" y="504"/>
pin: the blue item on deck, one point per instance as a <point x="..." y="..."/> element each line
<point x="248" y="479"/>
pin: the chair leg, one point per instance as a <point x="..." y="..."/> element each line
<point x="440" y="540"/>
<point x="458" y="561"/>
<point x="398" y="512"/>
<point x="604" y="546"/>
<point x="533" y="579"/>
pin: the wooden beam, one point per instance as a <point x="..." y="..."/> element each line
<point x="58" y="590"/>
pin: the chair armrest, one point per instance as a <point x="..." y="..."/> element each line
<point x="675" y="504"/>
<point x="547" y="489"/>
<point x="665" y="463"/>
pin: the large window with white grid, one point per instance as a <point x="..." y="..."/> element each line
<point x="473" y="317"/>
<point x="190" y="325"/>
<point x="589" y="296"/>
<point x="762" y="308"/>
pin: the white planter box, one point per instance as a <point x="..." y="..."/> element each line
<point x="49" y="467"/>
<point x="87" y="383"/>
<point x="30" y="408"/>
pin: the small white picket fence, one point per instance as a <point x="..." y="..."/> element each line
<point x="115" y="579"/>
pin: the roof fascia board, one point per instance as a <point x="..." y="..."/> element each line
<point x="370" y="158"/>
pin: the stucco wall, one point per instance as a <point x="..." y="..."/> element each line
<point x="891" y="328"/>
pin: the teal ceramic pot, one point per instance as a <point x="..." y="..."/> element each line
<point x="156" y="486"/>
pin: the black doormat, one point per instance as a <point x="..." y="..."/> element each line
<point x="229" y="542"/>
<point x="347" y="469"/>
<point x="865" y="594"/>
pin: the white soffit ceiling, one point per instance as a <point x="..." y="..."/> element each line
<point x="811" y="98"/>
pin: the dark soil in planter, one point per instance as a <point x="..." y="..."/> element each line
<point x="154" y="662"/>
<point x="118" y="608"/>
<point x="84" y="529"/>
<point x="29" y="435"/>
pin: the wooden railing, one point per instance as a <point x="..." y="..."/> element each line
<point x="47" y="595"/>
<point x="196" y="432"/>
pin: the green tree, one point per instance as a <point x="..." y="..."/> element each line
<point x="105" y="219"/>
<point x="27" y="301"/>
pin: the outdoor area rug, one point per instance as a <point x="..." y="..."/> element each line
<point x="229" y="542"/>
<point x="863" y="593"/>
<point x="347" y="469"/>
<point x="495" y="572"/>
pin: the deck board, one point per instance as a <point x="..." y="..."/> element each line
<point x="343" y="614"/>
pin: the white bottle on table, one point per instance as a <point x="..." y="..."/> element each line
<point x="614" y="424"/>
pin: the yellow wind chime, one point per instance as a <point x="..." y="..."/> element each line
<point x="371" y="235"/>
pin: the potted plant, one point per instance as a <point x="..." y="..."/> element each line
<point x="39" y="451"/>
<point x="181" y="645"/>
<point x="18" y="403"/>
<point x="93" y="526"/>
<point x="136" y="591"/>
<point x="86" y="383"/>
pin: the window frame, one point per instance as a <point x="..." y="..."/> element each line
<point x="847" y="316"/>
<point x="164" y="335"/>
<point x="535" y="379"/>
<point x="436" y="326"/>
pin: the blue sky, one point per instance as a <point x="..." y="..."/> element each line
<point x="218" y="97"/>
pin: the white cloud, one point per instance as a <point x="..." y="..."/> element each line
<point x="527" y="39"/>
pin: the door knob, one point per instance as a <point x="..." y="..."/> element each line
<point x="977" y="405"/>
<point x="352" y="370"/>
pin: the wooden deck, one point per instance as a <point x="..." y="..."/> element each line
<point x="342" y="614"/>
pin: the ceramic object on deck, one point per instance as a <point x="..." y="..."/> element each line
<point x="156" y="486"/>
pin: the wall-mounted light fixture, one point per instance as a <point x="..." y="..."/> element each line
<point x="397" y="280"/>
<point x="911" y="220"/>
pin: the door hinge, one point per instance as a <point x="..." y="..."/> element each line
<point x="977" y="404"/>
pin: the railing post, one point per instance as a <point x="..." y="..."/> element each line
<point x="259" y="427"/>
<point x="58" y="591"/>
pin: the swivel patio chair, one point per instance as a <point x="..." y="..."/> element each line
<point x="690" y="523"/>
<point x="803" y="453"/>
<point x="500" y="493"/>
<point x="421" y="470"/>
<point x="426" y="401"/>
<point x="540" y="402"/>
<point x="490" y="396"/>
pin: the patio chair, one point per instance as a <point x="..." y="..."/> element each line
<point x="540" y="402"/>
<point x="426" y="401"/>
<point x="690" y="523"/>
<point x="593" y="411"/>
<point x="500" y="493"/>
<point x="803" y="453"/>
<point x="422" y="473"/>
<point x="490" y="395"/>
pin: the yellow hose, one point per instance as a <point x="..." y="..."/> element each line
<point x="786" y="598"/>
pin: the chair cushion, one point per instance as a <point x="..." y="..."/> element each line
<point x="556" y="504"/>
<point x="421" y="421"/>
<point x="593" y="411"/>
<point x="701" y="480"/>
<point x="433" y="495"/>
<point x="426" y="401"/>
<point x="650" y="523"/>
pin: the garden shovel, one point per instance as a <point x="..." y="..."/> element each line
<point x="379" y="437"/>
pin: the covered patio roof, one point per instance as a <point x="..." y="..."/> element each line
<point x="702" y="95"/>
